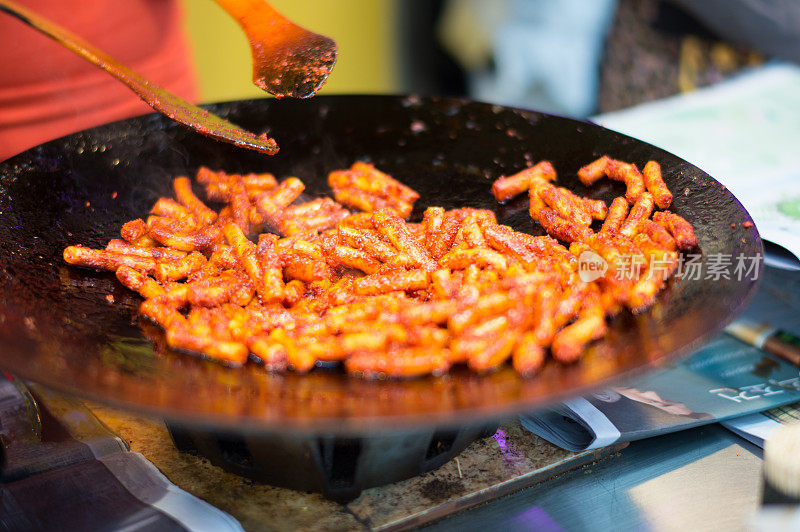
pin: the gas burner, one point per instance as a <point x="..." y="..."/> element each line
<point x="338" y="467"/>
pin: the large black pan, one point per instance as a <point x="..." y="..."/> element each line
<point x="57" y="327"/>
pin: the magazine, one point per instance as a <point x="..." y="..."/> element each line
<point x="725" y="379"/>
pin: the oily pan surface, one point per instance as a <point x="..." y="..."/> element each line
<point x="57" y="327"/>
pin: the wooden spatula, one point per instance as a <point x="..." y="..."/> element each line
<point x="288" y="60"/>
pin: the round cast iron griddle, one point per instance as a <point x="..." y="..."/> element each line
<point x="57" y="328"/>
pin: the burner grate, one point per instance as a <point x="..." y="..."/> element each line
<point x="338" y="467"/>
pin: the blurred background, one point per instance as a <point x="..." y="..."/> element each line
<point x="365" y="30"/>
<point x="571" y="57"/>
<point x="574" y="57"/>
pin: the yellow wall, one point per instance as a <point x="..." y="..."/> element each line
<point x="363" y="29"/>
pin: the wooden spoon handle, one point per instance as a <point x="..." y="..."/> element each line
<point x="154" y="95"/>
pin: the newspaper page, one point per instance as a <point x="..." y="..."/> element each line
<point x="756" y="428"/>
<point x="725" y="379"/>
<point x="744" y="132"/>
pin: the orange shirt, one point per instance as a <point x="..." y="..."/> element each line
<point x="46" y="91"/>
